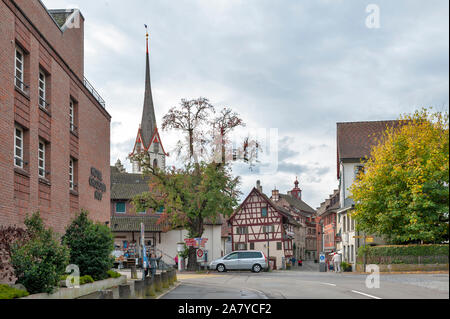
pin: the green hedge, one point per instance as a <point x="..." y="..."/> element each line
<point x="83" y="280"/>
<point x="6" y="292"/>
<point x="113" y="274"/>
<point x="406" y="250"/>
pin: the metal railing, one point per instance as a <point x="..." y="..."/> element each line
<point x="44" y="104"/>
<point x="21" y="85"/>
<point x="94" y="93"/>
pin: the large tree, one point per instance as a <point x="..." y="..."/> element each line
<point x="204" y="187"/>
<point x="403" y="194"/>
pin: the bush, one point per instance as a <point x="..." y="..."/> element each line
<point x="113" y="274"/>
<point x="6" y="292"/>
<point x="91" y="245"/>
<point x="405" y="250"/>
<point x="346" y="267"/>
<point x="83" y="280"/>
<point x="8" y="237"/>
<point x="39" y="262"/>
<point x="407" y="254"/>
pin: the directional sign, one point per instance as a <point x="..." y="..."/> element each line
<point x="196" y="242"/>
<point x="322" y="258"/>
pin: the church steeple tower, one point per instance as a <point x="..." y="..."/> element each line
<point x="148" y="139"/>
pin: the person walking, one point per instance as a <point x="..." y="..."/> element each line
<point x="176" y="261"/>
<point x="337" y="260"/>
<point x="153" y="263"/>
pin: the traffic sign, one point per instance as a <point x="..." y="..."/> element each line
<point x="200" y="253"/>
<point x="322" y="258"/>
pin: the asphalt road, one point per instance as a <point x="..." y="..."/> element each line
<point x="310" y="284"/>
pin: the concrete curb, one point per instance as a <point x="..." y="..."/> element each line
<point x="170" y="289"/>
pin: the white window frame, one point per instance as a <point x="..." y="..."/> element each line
<point x="71" y="174"/>
<point x="41" y="159"/>
<point x="42" y="87"/>
<point x="72" y="115"/>
<point x="19" y="69"/>
<point x="18" y="147"/>
<point x="268" y="229"/>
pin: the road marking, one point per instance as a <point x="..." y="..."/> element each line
<point x="361" y="293"/>
<point x="325" y="283"/>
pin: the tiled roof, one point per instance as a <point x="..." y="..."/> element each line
<point x="298" y="203"/>
<point x="355" y="139"/>
<point x="127" y="186"/>
<point x="128" y="224"/>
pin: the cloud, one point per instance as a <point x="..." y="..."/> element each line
<point x="299" y="66"/>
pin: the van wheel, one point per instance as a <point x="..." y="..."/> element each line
<point x="221" y="268"/>
<point x="256" y="268"/>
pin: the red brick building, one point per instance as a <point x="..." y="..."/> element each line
<point x="54" y="129"/>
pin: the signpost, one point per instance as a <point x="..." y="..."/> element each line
<point x="144" y="253"/>
<point x="322" y="265"/>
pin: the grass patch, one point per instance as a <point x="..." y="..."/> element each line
<point x="6" y="292"/>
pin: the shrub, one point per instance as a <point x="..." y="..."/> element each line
<point x="407" y="254"/>
<point x="113" y="274"/>
<point x="83" y="280"/>
<point x="6" y="292"/>
<point x="9" y="236"/>
<point x="91" y="245"/>
<point x="404" y="250"/>
<point x="346" y="267"/>
<point x="39" y="262"/>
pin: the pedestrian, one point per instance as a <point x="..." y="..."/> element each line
<point x="176" y="261"/>
<point x="337" y="262"/>
<point x="153" y="263"/>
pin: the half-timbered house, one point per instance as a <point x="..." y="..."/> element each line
<point x="260" y="224"/>
<point x="305" y="246"/>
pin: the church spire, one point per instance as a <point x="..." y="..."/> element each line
<point x="148" y="123"/>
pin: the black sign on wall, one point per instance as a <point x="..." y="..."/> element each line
<point x="96" y="181"/>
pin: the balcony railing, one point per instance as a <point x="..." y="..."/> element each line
<point x="22" y="86"/>
<point x="44" y="104"/>
<point x="91" y="89"/>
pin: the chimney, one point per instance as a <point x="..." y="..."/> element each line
<point x="275" y="195"/>
<point x="258" y="186"/>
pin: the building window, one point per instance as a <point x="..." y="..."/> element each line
<point x="19" y="69"/>
<point x="345" y="223"/>
<point x="73" y="108"/>
<point x="269" y="229"/>
<point x="160" y="210"/>
<point x="41" y="159"/>
<point x="71" y="174"/>
<point x="121" y="208"/>
<point x="242" y="246"/>
<point x="18" y="147"/>
<point x="155" y="163"/>
<point x="42" y="90"/>
<point x="264" y="212"/>
<point x="359" y="170"/>
<point x="351" y="255"/>
<point x="242" y="230"/>
<point x="252" y="246"/>
<point x="279" y="246"/>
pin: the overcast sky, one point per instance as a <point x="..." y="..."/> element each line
<point x="298" y="66"/>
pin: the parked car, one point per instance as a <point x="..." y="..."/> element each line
<point x="241" y="260"/>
